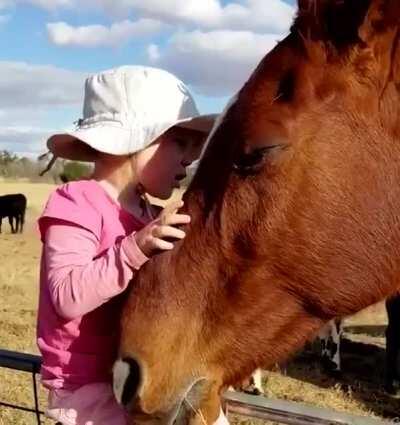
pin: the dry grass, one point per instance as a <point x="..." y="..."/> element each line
<point x="358" y="392"/>
<point x="19" y="295"/>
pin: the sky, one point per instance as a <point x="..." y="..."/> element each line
<point x="49" y="47"/>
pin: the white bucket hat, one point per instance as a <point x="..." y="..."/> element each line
<point x="125" y="110"/>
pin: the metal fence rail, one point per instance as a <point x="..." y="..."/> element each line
<point x="282" y="412"/>
<point x="25" y="363"/>
<point x="291" y="413"/>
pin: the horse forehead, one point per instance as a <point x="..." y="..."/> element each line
<point x="219" y="121"/>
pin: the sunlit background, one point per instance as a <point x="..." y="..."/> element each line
<point x="48" y="47"/>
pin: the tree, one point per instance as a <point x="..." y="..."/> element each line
<point x="6" y="160"/>
<point x="74" y="171"/>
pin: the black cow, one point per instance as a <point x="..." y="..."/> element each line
<point x="13" y="206"/>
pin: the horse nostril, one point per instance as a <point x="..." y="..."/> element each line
<point x="126" y="380"/>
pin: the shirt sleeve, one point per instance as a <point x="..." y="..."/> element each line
<point x="78" y="281"/>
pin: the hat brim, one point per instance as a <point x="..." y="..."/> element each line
<point x="84" y="143"/>
<point x="202" y="123"/>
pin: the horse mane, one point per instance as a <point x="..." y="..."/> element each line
<point x="335" y="22"/>
<point x="349" y="31"/>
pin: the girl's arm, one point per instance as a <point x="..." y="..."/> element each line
<point x="77" y="281"/>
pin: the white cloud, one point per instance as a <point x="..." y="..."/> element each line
<point x="215" y="63"/>
<point x="254" y="15"/>
<point x="215" y="49"/>
<point x="5" y="3"/>
<point x="25" y="85"/>
<point x="153" y="52"/>
<point x="44" y="4"/>
<point x="32" y="98"/>
<point x="62" y="34"/>
<point x="170" y="9"/>
<point x="26" y="141"/>
<point x="49" y="4"/>
<point x="204" y="11"/>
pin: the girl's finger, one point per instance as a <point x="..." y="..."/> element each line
<point x="169" y="210"/>
<point x="161" y="244"/>
<point x="175" y="219"/>
<point x="163" y="232"/>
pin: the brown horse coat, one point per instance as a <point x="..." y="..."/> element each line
<point x="295" y="216"/>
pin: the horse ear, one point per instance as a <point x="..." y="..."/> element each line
<point x="342" y="23"/>
<point x="304" y="5"/>
<point x="334" y="22"/>
<point x="313" y="7"/>
<point x="382" y="16"/>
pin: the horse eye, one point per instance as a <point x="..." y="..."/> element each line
<point x="286" y="88"/>
<point x="251" y="163"/>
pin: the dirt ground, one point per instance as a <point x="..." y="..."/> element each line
<point x="358" y="392"/>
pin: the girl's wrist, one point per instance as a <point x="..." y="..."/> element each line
<point x="136" y="255"/>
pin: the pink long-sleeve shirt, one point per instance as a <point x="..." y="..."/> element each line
<point x="89" y="257"/>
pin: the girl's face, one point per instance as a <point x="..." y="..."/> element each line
<point x="161" y="166"/>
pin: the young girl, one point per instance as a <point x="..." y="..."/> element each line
<point x="141" y="129"/>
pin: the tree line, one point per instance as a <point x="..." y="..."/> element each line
<point x="13" y="167"/>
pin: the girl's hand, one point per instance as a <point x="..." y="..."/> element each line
<point x="157" y="234"/>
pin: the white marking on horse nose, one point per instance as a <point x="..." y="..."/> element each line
<point x="121" y="372"/>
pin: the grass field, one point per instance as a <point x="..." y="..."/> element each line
<point x="358" y="392"/>
<point x="19" y="269"/>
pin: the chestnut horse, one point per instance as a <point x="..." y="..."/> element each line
<point x="295" y="217"/>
